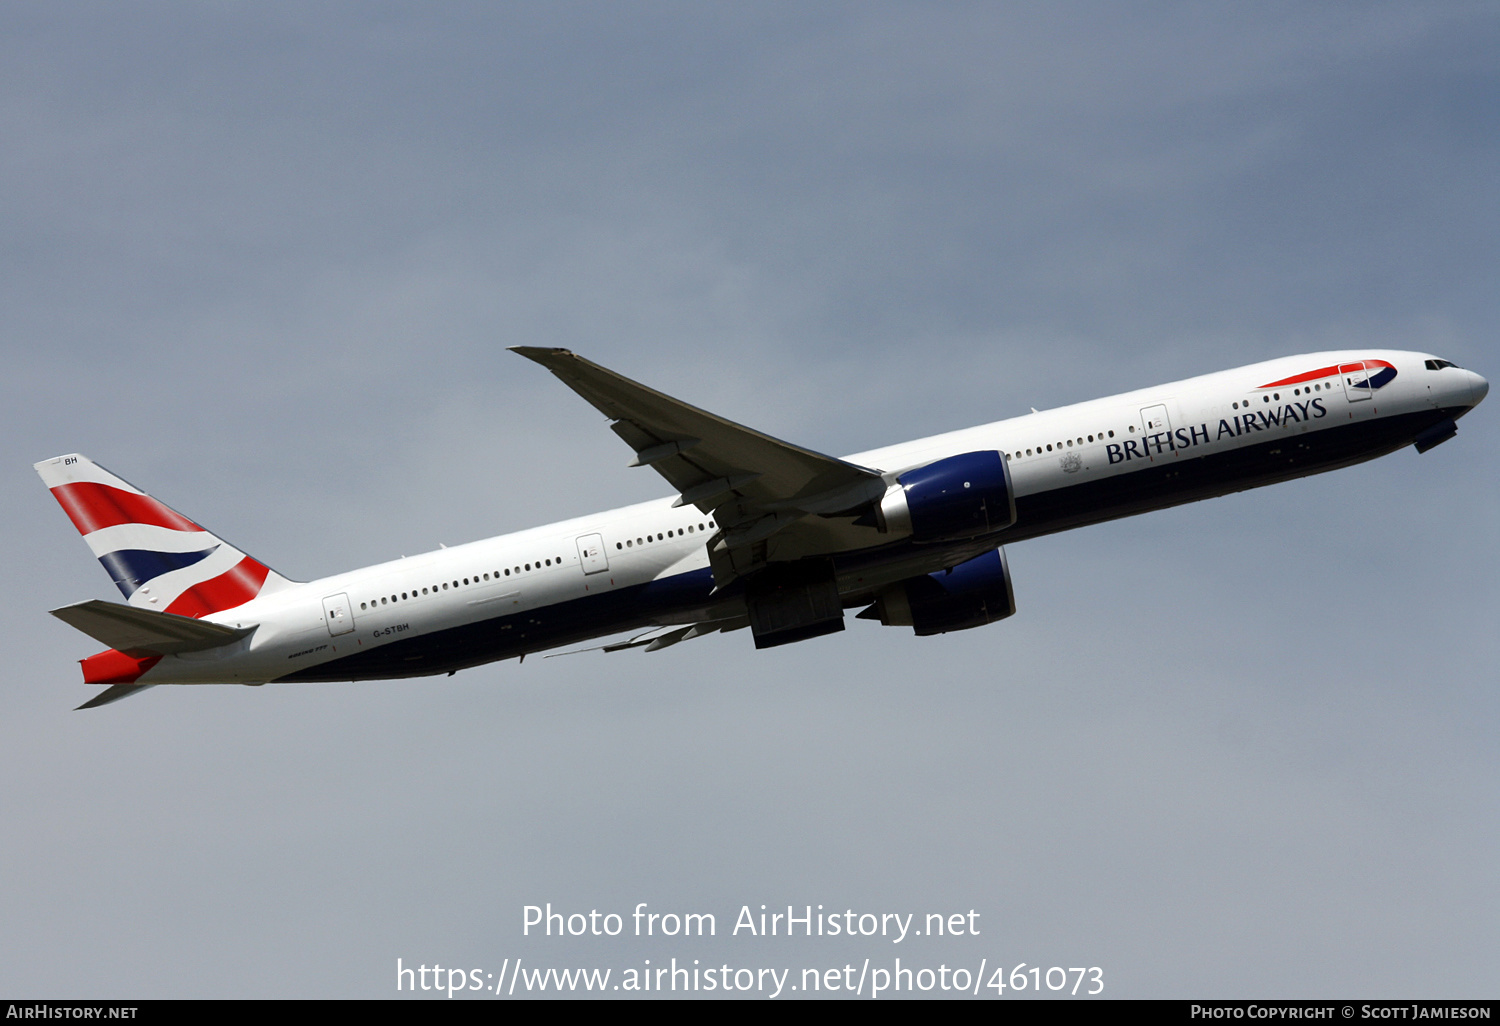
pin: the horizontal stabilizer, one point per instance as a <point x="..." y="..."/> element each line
<point x="141" y="632"/>
<point x="113" y="693"/>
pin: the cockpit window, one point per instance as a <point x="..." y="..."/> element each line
<point x="1439" y="364"/>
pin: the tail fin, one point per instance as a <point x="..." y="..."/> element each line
<point x="158" y="558"/>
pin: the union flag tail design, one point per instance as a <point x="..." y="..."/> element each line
<point x="158" y="558"/>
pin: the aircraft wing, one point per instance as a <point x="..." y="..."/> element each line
<point x="140" y="632"/>
<point x="754" y="485"/>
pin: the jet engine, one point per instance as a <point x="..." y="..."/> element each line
<point x="962" y="496"/>
<point x="969" y="595"/>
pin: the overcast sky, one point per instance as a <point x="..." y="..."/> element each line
<point x="263" y="260"/>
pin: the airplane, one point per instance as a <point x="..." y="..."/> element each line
<point x="761" y="533"/>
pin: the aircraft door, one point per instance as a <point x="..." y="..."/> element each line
<point x="1154" y="421"/>
<point x="337" y="615"/>
<point x="1356" y="381"/>
<point x="591" y="554"/>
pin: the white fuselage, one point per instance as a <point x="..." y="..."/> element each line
<point x="647" y="564"/>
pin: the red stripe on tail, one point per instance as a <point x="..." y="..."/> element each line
<point x="113" y="667"/>
<point x="92" y="506"/>
<point x="232" y="588"/>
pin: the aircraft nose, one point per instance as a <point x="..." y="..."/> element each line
<point x="1478" y="387"/>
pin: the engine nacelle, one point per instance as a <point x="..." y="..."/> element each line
<point x="969" y="595"/>
<point x="963" y="496"/>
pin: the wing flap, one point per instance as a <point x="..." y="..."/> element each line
<point x="141" y="632"/>
<point x="658" y="638"/>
